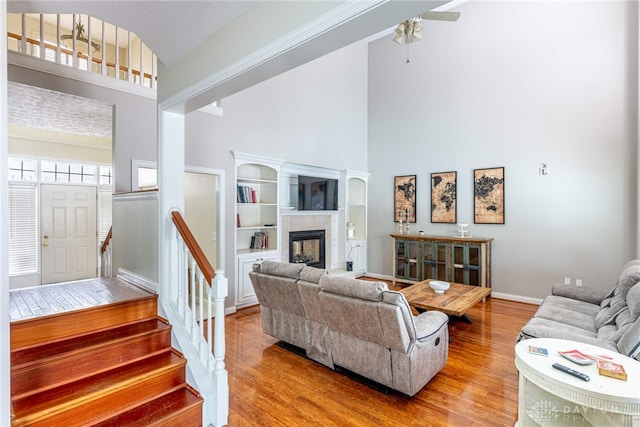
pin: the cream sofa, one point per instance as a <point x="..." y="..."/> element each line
<point x="356" y="325"/>
<point x="593" y="316"/>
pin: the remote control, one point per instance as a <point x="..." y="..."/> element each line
<point x="570" y="371"/>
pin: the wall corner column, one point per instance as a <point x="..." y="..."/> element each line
<point x="171" y="144"/>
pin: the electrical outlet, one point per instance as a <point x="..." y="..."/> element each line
<point x="578" y="282"/>
<point x="567" y="280"/>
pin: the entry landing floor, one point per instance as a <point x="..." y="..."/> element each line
<point x="26" y="303"/>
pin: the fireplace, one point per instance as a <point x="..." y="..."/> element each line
<point x="307" y="247"/>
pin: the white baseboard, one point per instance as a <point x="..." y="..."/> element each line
<point x="516" y="298"/>
<point x="138" y="280"/>
<point x="379" y="276"/>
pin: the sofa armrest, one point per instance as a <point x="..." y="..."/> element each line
<point x="429" y="323"/>
<point x="581" y="293"/>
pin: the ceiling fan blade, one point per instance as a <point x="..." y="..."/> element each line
<point x="441" y="16"/>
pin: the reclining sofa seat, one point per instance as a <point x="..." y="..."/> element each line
<point x="357" y="325"/>
<point x="606" y="319"/>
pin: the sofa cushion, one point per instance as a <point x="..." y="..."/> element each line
<point x="362" y="289"/>
<point x="633" y="302"/>
<point x="579" y="293"/>
<point x="611" y="307"/>
<point x="545" y="328"/>
<point x="629" y="342"/>
<point x="312" y="274"/>
<point x="281" y="269"/>
<point x="572" y="312"/>
<point x="629" y="277"/>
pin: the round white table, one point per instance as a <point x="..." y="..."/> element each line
<point x="549" y="397"/>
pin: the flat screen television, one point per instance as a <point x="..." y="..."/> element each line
<point x="317" y="194"/>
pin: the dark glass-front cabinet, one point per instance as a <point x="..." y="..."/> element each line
<point x="466" y="263"/>
<point x="406" y="259"/>
<point x="434" y="261"/>
<point x="453" y="259"/>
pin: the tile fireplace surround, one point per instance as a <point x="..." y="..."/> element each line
<point x="299" y="221"/>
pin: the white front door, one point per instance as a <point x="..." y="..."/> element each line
<point x="68" y="233"/>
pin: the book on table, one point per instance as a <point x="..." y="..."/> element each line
<point x="576" y="356"/>
<point x="538" y="350"/>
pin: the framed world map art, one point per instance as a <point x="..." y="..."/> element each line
<point x="488" y="196"/>
<point x="443" y="197"/>
<point x="404" y="198"/>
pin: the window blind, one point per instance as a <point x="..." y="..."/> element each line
<point x="23" y="229"/>
<point x="104" y="213"/>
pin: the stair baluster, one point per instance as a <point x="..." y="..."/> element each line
<point x="204" y="347"/>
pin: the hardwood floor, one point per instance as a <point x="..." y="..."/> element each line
<point x="271" y="386"/>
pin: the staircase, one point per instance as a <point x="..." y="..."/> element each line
<point x="111" y="365"/>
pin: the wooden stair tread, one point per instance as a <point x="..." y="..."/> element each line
<point x="33" y="332"/>
<point x="46" y="373"/>
<point x="102" y="363"/>
<point x="98" y="385"/>
<point x="156" y="412"/>
<point x="27" y="356"/>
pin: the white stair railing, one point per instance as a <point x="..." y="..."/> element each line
<point x="198" y="301"/>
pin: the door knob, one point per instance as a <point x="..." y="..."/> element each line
<point x="45" y="244"/>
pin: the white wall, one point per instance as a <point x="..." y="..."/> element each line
<point x="516" y="84"/>
<point x="200" y="207"/>
<point x="314" y="114"/>
<point x="135" y="234"/>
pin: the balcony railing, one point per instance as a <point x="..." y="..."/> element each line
<point x="121" y="69"/>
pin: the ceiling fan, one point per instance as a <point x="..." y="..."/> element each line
<point x="410" y="30"/>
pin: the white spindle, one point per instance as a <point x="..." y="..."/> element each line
<point x="209" y="357"/>
<point x="201" y="302"/>
<point x="210" y="367"/>
<point x="103" y="50"/>
<point x="74" y="34"/>
<point x="89" y="46"/>
<point x="141" y="82"/>
<point x="193" y="294"/>
<point x="129" y="73"/>
<point x="117" y="49"/>
<point x="23" y="40"/>
<point x="43" y="53"/>
<point x="58" y="47"/>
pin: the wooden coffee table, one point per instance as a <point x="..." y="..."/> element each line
<point x="455" y="301"/>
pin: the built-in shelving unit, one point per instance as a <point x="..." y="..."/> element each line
<point x="356" y="220"/>
<point x="257" y="236"/>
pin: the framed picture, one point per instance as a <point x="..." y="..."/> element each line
<point x="443" y="197"/>
<point x="488" y="196"/>
<point x="404" y="193"/>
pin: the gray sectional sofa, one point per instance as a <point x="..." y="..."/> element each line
<point x="357" y="325"/>
<point x="606" y="319"/>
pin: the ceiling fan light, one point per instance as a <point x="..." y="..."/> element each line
<point x="398" y="33"/>
<point x="416" y="34"/>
